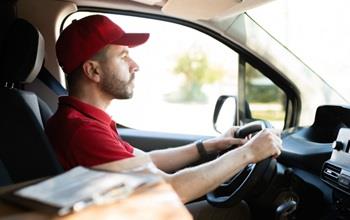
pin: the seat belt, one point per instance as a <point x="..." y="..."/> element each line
<point x="50" y="81"/>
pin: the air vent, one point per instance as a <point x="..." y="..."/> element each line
<point x="331" y="173"/>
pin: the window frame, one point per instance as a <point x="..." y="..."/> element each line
<point x="293" y="100"/>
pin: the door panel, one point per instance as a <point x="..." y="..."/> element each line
<point x="148" y="140"/>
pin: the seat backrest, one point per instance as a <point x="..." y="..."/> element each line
<point x="25" y="152"/>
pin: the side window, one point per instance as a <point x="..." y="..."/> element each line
<point x="266" y="101"/>
<point x="182" y="73"/>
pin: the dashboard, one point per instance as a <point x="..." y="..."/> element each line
<point x="319" y="157"/>
<point x="308" y="147"/>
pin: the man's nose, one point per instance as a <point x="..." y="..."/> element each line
<point x="133" y="66"/>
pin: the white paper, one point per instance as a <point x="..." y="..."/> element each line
<point x="81" y="186"/>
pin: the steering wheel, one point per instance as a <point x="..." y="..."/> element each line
<point x="248" y="182"/>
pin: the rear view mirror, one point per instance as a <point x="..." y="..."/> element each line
<point x="225" y="113"/>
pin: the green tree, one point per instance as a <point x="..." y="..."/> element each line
<point x="196" y="69"/>
<point x="263" y="93"/>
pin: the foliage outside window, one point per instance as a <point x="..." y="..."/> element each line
<point x="197" y="71"/>
<point x="266" y="100"/>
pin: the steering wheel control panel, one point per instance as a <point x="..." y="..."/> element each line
<point x="336" y="171"/>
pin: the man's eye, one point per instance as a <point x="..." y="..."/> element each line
<point x="124" y="55"/>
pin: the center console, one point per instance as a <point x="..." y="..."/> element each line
<point x="336" y="173"/>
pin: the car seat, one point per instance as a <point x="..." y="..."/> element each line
<point x="25" y="151"/>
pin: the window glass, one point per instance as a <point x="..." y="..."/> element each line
<point x="182" y="73"/>
<point x="312" y="90"/>
<point x="317" y="32"/>
<point x="266" y="100"/>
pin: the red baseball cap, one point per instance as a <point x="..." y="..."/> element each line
<point x="83" y="38"/>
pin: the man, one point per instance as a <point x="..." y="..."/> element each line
<point x="93" y="53"/>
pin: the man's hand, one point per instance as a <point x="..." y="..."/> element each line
<point x="264" y="144"/>
<point x="267" y="139"/>
<point x="223" y="141"/>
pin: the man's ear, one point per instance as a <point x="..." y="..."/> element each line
<point x="91" y="70"/>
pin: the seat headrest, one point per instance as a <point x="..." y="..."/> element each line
<point x="22" y="53"/>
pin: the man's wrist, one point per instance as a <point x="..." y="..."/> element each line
<point x="203" y="153"/>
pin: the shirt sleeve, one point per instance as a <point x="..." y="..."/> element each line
<point x="94" y="144"/>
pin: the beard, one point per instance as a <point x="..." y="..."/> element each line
<point x="118" y="89"/>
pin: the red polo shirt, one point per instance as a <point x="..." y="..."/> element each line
<point x="82" y="134"/>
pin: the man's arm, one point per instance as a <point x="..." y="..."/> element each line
<point x="173" y="159"/>
<point x="194" y="182"/>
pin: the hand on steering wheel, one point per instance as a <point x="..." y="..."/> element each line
<point x="244" y="183"/>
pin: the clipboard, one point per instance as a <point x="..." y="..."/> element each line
<point x="77" y="189"/>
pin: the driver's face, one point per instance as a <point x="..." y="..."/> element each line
<point x="118" y="72"/>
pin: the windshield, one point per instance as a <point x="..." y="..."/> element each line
<point x="317" y="32"/>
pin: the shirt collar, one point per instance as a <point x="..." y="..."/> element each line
<point x="86" y="109"/>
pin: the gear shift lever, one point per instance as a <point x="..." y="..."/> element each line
<point x="285" y="209"/>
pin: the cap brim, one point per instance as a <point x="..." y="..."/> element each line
<point x="132" y="39"/>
